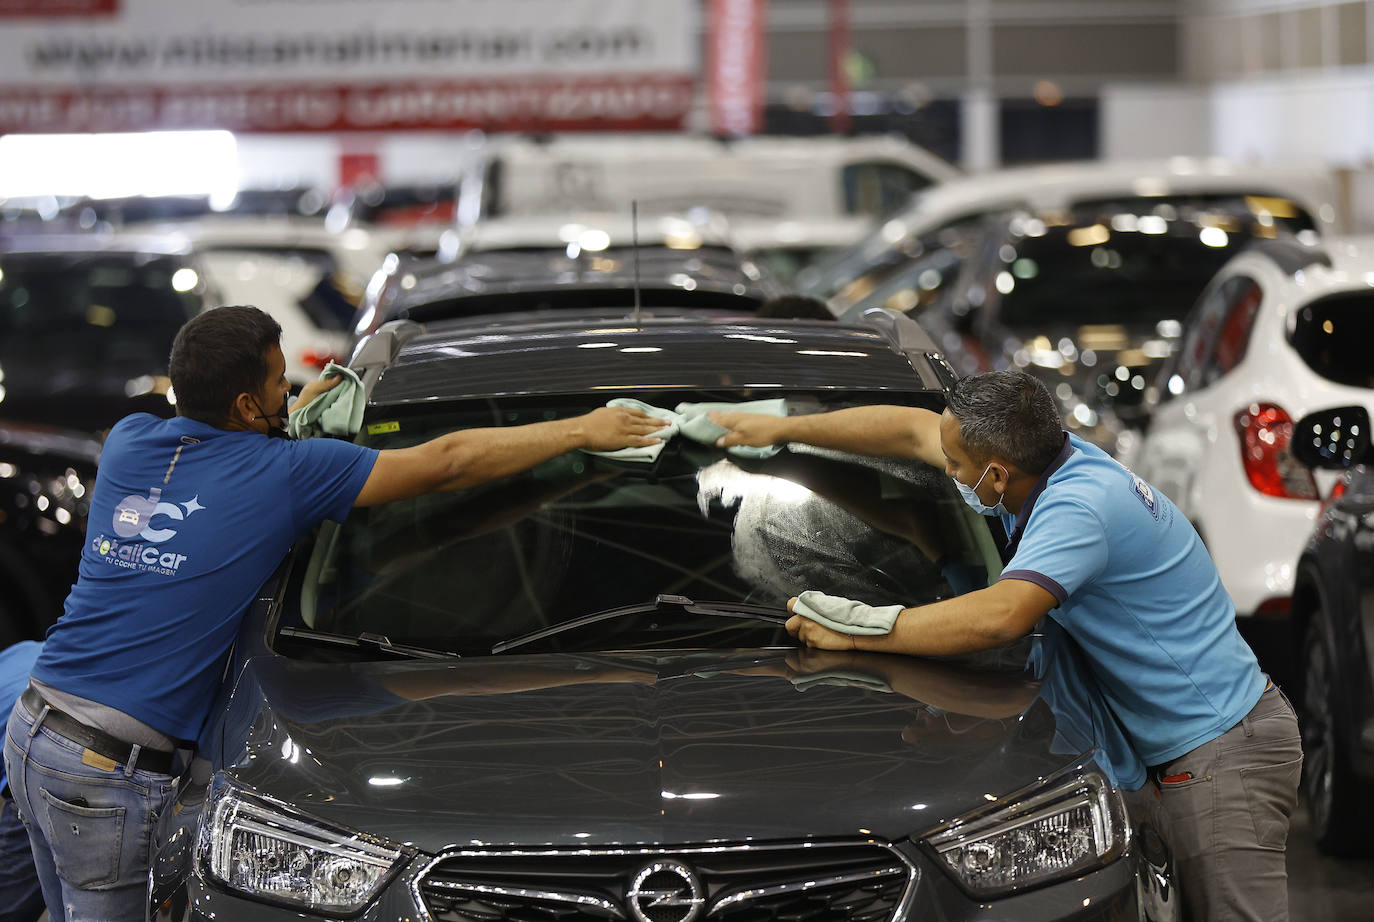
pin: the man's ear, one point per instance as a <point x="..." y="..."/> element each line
<point x="243" y="411"/>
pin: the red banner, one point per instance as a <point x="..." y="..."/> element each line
<point x="43" y="9"/>
<point x="737" y="63"/>
<point x="541" y="104"/>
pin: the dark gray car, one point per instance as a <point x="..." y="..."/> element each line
<point x="569" y="696"/>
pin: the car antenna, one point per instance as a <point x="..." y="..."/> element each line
<point x="634" y="243"/>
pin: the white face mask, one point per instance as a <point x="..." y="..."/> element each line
<point x="970" y="495"/>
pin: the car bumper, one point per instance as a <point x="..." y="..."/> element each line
<point x="1116" y="893"/>
<point x="1256" y="544"/>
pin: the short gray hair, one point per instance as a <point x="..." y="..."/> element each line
<point x="1009" y="415"/>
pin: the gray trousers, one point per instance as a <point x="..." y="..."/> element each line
<point x="1227" y="825"/>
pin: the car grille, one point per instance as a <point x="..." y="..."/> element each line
<point x="815" y="882"/>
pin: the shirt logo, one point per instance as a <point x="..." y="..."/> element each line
<point x="1146" y="494"/>
<point x="152" y="520"/>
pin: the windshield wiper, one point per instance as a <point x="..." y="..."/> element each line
<point x="743" y="610"/>
<point x="367" y="641"/>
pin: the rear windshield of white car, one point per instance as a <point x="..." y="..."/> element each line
<point x="578" y="535"/>
<point x="1333" y="335"/>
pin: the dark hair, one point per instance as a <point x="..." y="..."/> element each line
<point x="1008" y="415"/>
<point x="218" y="355"/>
<point x="799" y="307"/>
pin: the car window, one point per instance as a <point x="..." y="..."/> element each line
<point x="879" y="188"/>
<point x="916" y="270"/>
<point x="578" y="535"/>
<point x="1333" y="334"/>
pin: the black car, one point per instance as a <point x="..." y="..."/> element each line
<point x="86" y="325"/>
<point x="1331" y="620"/>
<point x="540" y="280"/>
<point x="570" y="695"/>
<point x="1091" y="298"/>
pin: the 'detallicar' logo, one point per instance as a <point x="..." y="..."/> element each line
<point x="665" y="891"/>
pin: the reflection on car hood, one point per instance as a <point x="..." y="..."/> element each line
<point x="673" y="747"/>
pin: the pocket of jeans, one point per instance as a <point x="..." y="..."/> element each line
<point x="85" y="841"/>
<point x="1272" y="792"/>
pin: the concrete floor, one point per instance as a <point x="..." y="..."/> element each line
<point x="1322" y="889"/>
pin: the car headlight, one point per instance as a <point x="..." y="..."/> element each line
<point x="260" y="850"/>
<point x="1060" y="829"/>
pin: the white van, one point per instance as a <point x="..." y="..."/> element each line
<point x="778" y="178"/>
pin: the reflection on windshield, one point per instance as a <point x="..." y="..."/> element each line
<point x="578" y="535"/>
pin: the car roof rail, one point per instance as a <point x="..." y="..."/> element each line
<point x="376" y="351"/>
<point x="905" y="336"/>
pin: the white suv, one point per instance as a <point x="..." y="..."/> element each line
<point x="1282" y="330"/>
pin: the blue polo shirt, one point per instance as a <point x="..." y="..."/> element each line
<point x="186" y="522"/>
<point x="1139" y="593"/>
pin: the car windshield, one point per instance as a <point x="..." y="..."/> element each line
<point x="579" y="535"/>
<point x="1133" y="262"/>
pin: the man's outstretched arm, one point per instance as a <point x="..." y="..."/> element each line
<point x="884" y="431"/>
<point x="982" y="620"/>
<point x="470" y="457"/>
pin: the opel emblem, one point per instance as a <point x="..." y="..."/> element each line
<point x="665" y="891"/>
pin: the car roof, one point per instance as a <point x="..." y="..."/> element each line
<point x="1338" y="264"/>
<point x="599" y="353"/>
<point x="559" y="230"/>
<point x="421" y="287"/>
<point x="91" y="244"/>
<point x="1058" y="185"/>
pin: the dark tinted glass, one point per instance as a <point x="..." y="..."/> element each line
<point x="62" y="313"/>
<point x="578" y="535"/>
<point x="1333" y="336"/>
<point x="1133" y="279"/>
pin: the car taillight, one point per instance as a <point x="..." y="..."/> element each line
<point x="312" y="359"/>
<point x="1264" y="431"/>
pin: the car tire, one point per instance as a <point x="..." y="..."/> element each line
<point x="1341" y="808"/>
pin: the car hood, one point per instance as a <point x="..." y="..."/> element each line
<point x="598" y="750"/>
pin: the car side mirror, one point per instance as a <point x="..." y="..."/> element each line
<point x="1333" y="439"/>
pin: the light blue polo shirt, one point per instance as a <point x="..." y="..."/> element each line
<point x="1139" y="593"/>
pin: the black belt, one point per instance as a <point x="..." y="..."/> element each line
<point x="97" y="741"/>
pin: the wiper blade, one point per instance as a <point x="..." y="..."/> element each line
<point x="367" y="641"/>
<point x="742" y="610"/>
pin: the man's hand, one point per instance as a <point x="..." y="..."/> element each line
<point x="612" y="428"/>
<point x="758" y="430"/>
<point x="817" y="635"/>
<point x="314" y="389"/>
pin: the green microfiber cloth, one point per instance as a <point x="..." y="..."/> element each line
<point x="338" y="411"/>
<point x="846" y="615"/>
<point x="698" y="427"/>
<point x="646" y="453"/>
<point x="690" y="419"/>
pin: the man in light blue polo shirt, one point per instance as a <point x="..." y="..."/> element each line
<point x="1124" y="573"/>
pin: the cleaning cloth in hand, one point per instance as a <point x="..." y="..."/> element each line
<point x="690" y="419"/>
<point x="646" y="453"/>
<point x="698" y="427"/>
<point x="338" y="411"/>
<point x="846" y="615"/>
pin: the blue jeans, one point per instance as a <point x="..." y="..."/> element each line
<point x="90" y="829"/>
<point x="21" y="900"/>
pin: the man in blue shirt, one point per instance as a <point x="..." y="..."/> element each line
<point x="21" y="900"/>
<point x="1114" y="563"/>
<point x="188" y="517"/>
